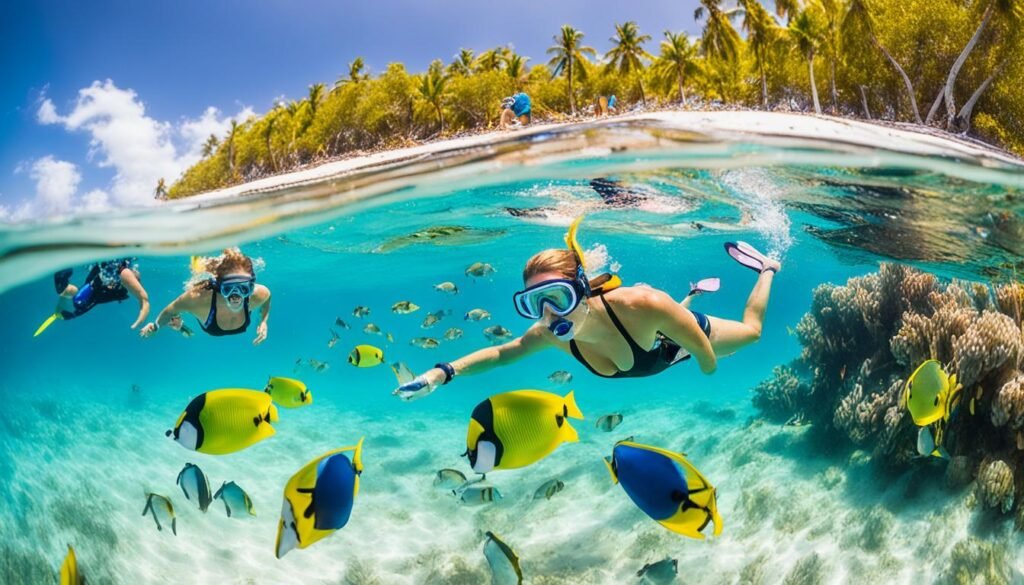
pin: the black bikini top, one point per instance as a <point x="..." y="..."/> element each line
<point x="212" y="328"/>
<point x="645" y="362"/>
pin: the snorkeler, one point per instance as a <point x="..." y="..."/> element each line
<point x="222" y="303"/>
<point x="106" y="282"/>
<point x="613" y="330"/>
<point x="515" y="111"/>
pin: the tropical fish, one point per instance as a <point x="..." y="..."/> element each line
<point x="449" y="479"/>
<point x="288" y="392"/>
<point x="443" y="235"/>
<point x="425" y="342"/>
<point x="452" y="334"/>
<point x="447" y="287"/>
<point x="503" y="561"/>
<point x="402" y="373"/>
<point x="390" y="338"/>
<point x="161" y="507"/>
<point x="366" y="356"/>
<point x="333" y="340"/>
<point x="497" y="333"/>
<point x="549" y="489"/>
<point x="560" y="377"/>
<point x="404" y="307"/>
<point x="480" y="269"/>
<point x="432" y="319"/>
<point x="608" y="422"/>
<point x="477" y="315"/>
<point x="931" y="394"/>
<point x="476" y="494"/>
<point x="318" y="499"/>
<point x="666" y="487"/>
<point x="225" y="421"/>
<point x="69" y="574"/>
<point x="339" y="323"/>
<point x="371" y="329"/>
<point x="662" y="572"/>
<point x="515" y="429"/>
<point x="318" y="366"/>
<point x="195" y="486"/>
<point x="236" y="501"/>
<point x="360" y="311"/>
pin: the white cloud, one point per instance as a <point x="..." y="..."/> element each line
<point x="196" y="131"/>
<point x="95" y="201"/>
<point x="56" y="183"/>
<point x="47" y="113"/>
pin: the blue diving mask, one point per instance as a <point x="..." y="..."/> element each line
<point x="560" y="295"/>
<point x="237" y="286"/>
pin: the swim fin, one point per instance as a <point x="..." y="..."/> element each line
<point x="706" y="285"/>
<point x="49" y="321"/>
<point x="747" y="255"/>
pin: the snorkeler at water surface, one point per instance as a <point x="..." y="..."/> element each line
<point x="223" y="303"/>
<point x="106" y="282"/>
<point x="614" y="331"/>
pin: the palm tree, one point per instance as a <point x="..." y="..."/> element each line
<point x="230" y="142"/>
<point x="677" y="60"/>
<point x="515" y="66"/>
<point x="627" y="53"/>
<point x="161" y="190"/>
<point x="433" y="85"/>
<point x="806" y="37"/>
<point x="492" y="60"/>
<point x="762" y="33"/>
<point x="858" y="22"/>
<point x="718" y="39"/>
<point x="463" y="63"/>
<point x="355" y="73"/>
<point x="787" y="8"/>
<point x="268" y="134"/>
<point x="1011" y="10"/>
<point x="210" y="146"/>
<point x="568" y="57"/>
<point x="831" y="11"/>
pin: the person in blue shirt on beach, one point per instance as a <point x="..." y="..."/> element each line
<point x="515" y="111"/>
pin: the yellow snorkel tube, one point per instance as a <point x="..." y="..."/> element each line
<point x="607" y="281"/>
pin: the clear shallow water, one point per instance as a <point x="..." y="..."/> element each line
<point x="80" y="447"/>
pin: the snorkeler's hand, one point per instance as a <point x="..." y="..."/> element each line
<point x="175" y="323"/>
<point x="261" y="334"/>
<point x="148" y="330"/>
<point x="420" y="386"/>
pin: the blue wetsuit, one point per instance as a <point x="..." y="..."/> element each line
<point x="102" y="285"/>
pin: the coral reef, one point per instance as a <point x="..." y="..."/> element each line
<point x="974" y="561"/>
<point x="862" y="340"/>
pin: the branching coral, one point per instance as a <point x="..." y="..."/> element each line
<point x="780" y="396"/>
<point x="990" y="342"/>
<point x="1008" y="406"/>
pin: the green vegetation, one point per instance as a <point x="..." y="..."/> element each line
<point x="871" y="58"/>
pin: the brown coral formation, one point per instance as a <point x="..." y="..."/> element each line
<point x="1008" y="406"/>
<point x="995" y="485"/>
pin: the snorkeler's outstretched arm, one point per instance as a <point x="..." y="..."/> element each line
<point x="131" y="282"/>
<point x="262" y="297"/>
<point x="481" y="360"/>
<point x="185" y="303"/>
<point x="678" y="324"/>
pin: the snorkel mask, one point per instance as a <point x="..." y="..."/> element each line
<point x="236" y="285"/>
<point x="507" y="103"/>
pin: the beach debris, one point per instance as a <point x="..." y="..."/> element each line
<point x="366" y="356"/>
<point x="195" y="486"/>
<point x="425" y="342"/>
<point x="477" y="315"/>
<point x="372" y="329"/>
<point x="404" y="307"/>
<point x="69" y="574"/>
<point x="477" y="494"/>
<point x="452" y="334"/>
<point x="318" y="499"/>
<point x="402" y="373"/>
<point x="480" y="269"/>
<point x="237" y="503"/>
<point x="549" y="489"/>
<point x="442" y="235"/>
<point x="502" y="560"/>
<point x="608" y="422"/>
<point x="662" y="572"/>
<point x="432" y="318"/>
<point x="224" y="421"/>
<point x="338" y="322"/>
<point x="333" y="340"/>
<point x="560" y="377"/>
<point x="160" y="508"/>
<point x="518" y="428"/>
<point x="497" y="333"/>
<point x="288" y="392"/>
<point x="449" y="479"/>
<point x="360" y="312"/>
<point x="447" y="287"/>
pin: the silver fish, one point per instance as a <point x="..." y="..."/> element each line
<point x="449" y="479"/>
<point x="318" y="366"/>
<point x="404" y="307"/>
<point x="503" y="562"/>
<point x="333" y="340"/>
<point x="432" y="319"/>
<point x="560" y="377"/>
<point x="453" y="334"/>
<point x="447" y="287"/>
<point x="360" y="311"/>
<point x="608" y="422"/>
<point x="389" y="337"/>
<point x="195" y="486"/>
<point x="339" y="323"/>
<point x="480" y="269"/>
<point x="477" y="495"/>
<point x="236" y="501"/>
<point x="425" y="342"/>
<point x="662" y="572"/>
<point x="497" y="333"/>
<point x="161" y="507"/>
<point x="371" y="329"/>
<point x="477" y="315"/>
<point x="549" y="489"/>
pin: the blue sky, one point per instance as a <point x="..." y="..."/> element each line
<point x="168" y="63"/>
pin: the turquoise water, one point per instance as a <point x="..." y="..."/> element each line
<point x="81" y="446"/>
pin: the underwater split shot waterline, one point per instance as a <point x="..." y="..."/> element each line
<point x="895" y="248"/>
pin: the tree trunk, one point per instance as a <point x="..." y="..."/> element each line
<point x="935" y="106"/>
<point x="903" y="74"/>
<point x="682" y="93"/>
<point x="864" y="103"/>
<point x="440" y="118"/>
<point x="832" y="85"/>
<point x="963" y="119"/>
<point x="643" y="95"/>
<point x="572" y="103"/>
<point x="814" y="87"/>
<point x="764" y="86"/>
<point x="955" y="70"/>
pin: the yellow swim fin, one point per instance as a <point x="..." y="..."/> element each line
<point x="49" y="321"/>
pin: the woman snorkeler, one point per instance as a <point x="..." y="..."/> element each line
<point x="222" y="304"/>
<point x="615" y="331"/>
